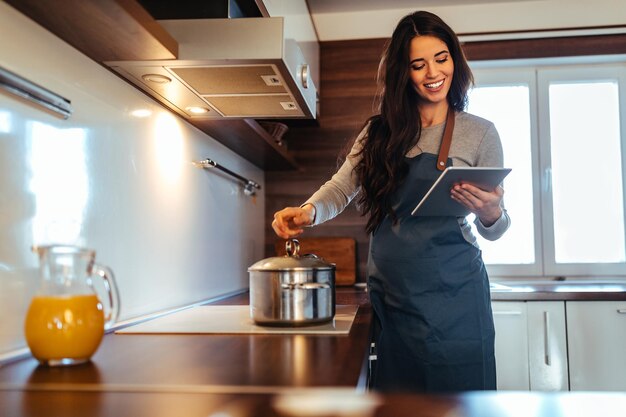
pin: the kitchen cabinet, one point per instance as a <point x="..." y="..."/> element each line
<point x="112" y="30"/>
<point x="547" y="347"/>
<point x="596" y="332"/>
<point x="511" y="322"/>
<point x="531" y="345"/>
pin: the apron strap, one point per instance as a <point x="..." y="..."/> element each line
<point x="444" y="149"/>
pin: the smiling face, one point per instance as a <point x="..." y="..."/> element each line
<point x="431" y="69"/>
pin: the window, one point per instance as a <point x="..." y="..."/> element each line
<point x="562" y="133"/>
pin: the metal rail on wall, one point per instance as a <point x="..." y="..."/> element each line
<point x="34" y="93"/>
<point x="249" y="186"/>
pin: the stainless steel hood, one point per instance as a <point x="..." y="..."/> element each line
<point x="231" y="68"/>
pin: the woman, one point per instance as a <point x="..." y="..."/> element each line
<point x="428" y="285"/>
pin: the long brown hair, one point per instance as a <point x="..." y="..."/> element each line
<point x="392" y="133"/>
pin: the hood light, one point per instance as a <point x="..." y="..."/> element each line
<point x="197" y="110"/>
<point x="156" y="78"/>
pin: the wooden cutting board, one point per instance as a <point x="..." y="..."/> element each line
<point x="340" y="251"/>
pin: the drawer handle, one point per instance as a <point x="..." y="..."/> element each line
<point x="546" y="328"/>
<point x="621" y="311"/>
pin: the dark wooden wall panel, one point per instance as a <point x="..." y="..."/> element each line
<point x="347" y="89"/>
<point x="347" y="92"/>
<point x="547" y="47"/>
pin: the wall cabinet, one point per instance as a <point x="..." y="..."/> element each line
<point x="101" y="31"/>
<point x="596" y="332"/>
<point x="531" y="345"/>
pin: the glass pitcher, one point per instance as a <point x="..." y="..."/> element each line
<point x="66" y="319"/>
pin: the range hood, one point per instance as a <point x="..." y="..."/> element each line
<point x="228" y="69"/>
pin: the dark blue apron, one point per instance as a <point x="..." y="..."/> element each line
<point x="430" y="294"/>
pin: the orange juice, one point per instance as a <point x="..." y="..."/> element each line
<point x="64" y="327"/>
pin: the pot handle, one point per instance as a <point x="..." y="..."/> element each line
<point x="305" y="286"/>
<point x="292" y="247"/>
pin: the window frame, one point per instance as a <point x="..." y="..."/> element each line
<point x="537" y="74"/>
<point x="494" y="77"/>
<point x="592" y="73"/>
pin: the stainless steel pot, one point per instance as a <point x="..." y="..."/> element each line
<point x="292" y="290"/>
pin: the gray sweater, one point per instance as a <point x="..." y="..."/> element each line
<point x="475" y="142"/>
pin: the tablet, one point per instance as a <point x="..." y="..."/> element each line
<point x="437" y="201"/>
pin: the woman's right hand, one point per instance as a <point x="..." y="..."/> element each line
<point x="289" y="222"/>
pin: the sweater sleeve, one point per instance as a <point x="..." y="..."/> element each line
<point x="335" y="195"/>
<point x="490" y="153"/>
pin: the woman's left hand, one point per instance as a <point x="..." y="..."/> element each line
<point x="485" y="204"/>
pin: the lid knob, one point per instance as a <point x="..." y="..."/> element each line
<point x="292" y="247"/>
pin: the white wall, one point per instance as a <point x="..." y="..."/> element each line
<point x="174" y="234"/>
<point x="479" y="17"/>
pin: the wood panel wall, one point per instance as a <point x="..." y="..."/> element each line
<point x="348" y="86"/>
<point x="347" y="92"/>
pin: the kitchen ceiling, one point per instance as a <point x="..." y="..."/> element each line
<point x="367" y="19"/>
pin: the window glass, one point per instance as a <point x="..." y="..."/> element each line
<point x="588" y="212"/>
<point x="508" y="107"/>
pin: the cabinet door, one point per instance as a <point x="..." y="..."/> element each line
<point x="547" y="346"/>
<point x="510" y="320"/>
<point x="596" y="332"/>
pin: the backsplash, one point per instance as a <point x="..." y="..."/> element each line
<point x="119" y="183"/>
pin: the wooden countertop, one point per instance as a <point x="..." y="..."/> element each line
<point x="568" y="290"/>
<point x="266" y="362"/>
<point x="198" y="404"/>
<point x="243" y="376"/>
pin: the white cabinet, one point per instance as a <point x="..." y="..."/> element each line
<point x="511" y="322"/>
<point x="547" y="346"/>
<point x="531" y="345"/>
<point x="597" y="345"/>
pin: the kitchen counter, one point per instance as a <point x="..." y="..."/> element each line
<point x="244" y="376"/>
<point x="557" y="290"/>
<point x="263" y="362"/>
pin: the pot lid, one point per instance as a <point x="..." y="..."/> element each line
<point x="292" y="261"/>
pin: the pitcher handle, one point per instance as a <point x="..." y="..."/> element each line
<point x="108" y="280"/>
